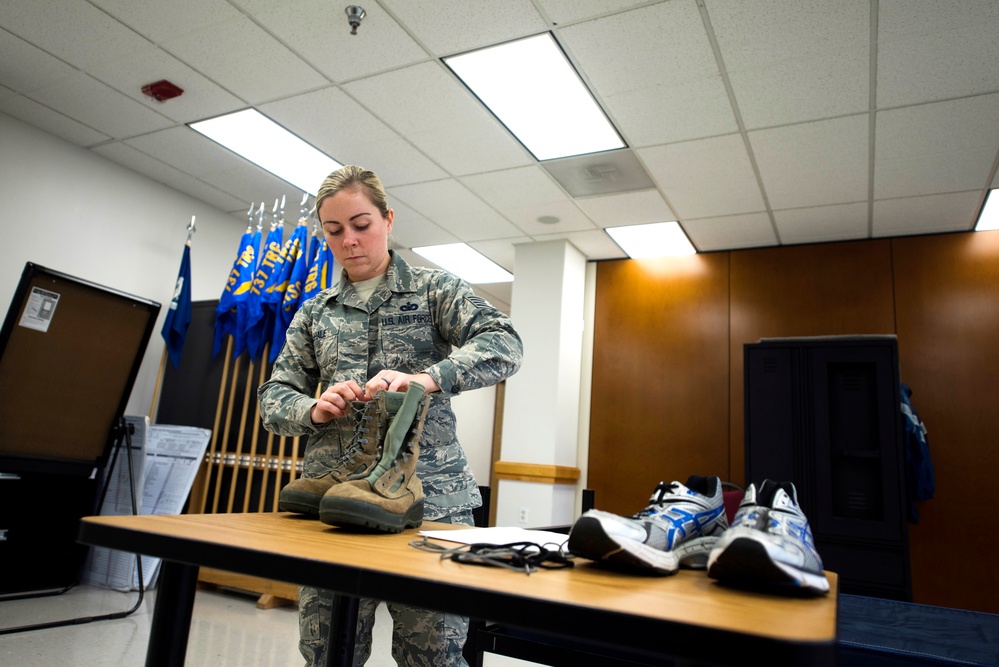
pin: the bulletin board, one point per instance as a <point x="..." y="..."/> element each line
<point x="70" y="351"/>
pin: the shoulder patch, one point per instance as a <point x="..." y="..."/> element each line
<point x="478" y="301"/>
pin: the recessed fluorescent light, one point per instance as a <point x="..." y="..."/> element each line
<point x="660" y="239"/>
<point x="260" y="140"/>
<point x="532" y="88"/>
<point x="989" y="219"/>
<point x="465" y="262"/>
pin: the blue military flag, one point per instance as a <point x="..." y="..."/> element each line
<point x="178" y="317"/>
<point x="260" y="318"/>
<point x="320" y="274"/>
<point x="296" y="268"/>
<point x="246" y="305"/>
<point x="225" y="311"/>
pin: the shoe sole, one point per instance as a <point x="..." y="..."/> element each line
<point x="299" y="502"/>
<point x="747" y="562"/>
<point x="588" y="539"/>
<point x="357" y="514"/>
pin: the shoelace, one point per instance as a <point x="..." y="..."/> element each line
<point x="526" y="557"/>
<point x="659" y="501"/>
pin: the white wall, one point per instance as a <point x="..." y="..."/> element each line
<point x="76" y="212"/>
<point x="68" y="209"/>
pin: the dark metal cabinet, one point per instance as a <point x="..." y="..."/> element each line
<point x="824" y="413"/>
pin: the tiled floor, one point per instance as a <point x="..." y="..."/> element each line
<point x="227" y="629"/>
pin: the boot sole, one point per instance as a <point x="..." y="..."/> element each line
<point x="589" y="540"/>
<point x="748" y="563"/>
<point x="299" y="502"/>
<point x="358" y="514"/>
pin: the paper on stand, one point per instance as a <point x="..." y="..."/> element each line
<point x="164" y="479"/>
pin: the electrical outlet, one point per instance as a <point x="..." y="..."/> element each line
<point x="524" y="512"/>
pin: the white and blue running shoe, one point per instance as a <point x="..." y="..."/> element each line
<point x="770" y="544"/>
<point x="678" y="528"/>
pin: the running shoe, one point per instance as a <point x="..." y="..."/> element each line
<point x="678" y="528"/>
<point x="770" y="544"/>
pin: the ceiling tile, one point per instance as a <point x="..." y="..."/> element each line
<point x="410" y="229"/>
<point x="450" y="26"/>
<point x="187" y="151"/>
<point x="935" y="148"/>
<point x="820" y="224"/>
<point x="594" y="244"/>
<point x="515" y="187"/>
<point x="665" y="85"/>
<point x="336" y="124"/>
<point x="454" y="207"/>
<point x="441" y="118"/>
<point x="58" y="31"/>
<point x="813" y="164"/>
<point x="568" y="11"/>
<point x="329" y="120"/>
<point x="681" y="168"/>
<point x="817" y="48"/>
<point x="26" y="67"/>
<point x="936" y="50"/>
<point x="100" y="107"/>
<point x="51" y="121"/>
<point x="737" y="231"/>
<point x="202" y="98"/>
<point x="325" y="40"/>
<point x="627" y="208"/>
<point x="247" y="61"/>
<point x="548" y="218"/>
<point x="139" y="162"/>
<point x="162" y="21"/>
<point x="955" y="212"/>
<point x="502" y="252"/>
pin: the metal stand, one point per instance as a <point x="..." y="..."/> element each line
<point x="123" y="435"/>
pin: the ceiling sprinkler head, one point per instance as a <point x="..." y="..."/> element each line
<point x="355" y="15"/>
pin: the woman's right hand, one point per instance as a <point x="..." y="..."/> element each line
<point x="335" y="401"/>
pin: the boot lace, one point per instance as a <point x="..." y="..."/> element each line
<point x="361" y="430"/>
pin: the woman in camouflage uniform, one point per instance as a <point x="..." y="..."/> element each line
<point x="384" y="325"/>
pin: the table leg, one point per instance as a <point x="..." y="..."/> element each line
<point x="343" y="631"/>
<point x="178" y="583"/>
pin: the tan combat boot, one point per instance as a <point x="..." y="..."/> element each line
<point x="371" y="421"/>
<point x="390" y="498"/>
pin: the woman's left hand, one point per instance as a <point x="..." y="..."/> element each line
<point x="397" y="381"/>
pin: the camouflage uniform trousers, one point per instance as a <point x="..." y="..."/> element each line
<point x="420" y="637"/>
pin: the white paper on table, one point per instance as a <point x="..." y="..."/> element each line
<point x="499" y="535"/>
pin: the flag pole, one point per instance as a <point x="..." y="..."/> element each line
<point x="157" y="387"/>
<point x="163" y="358"/>
<point x="218" y="417"/>
<point x="225" y="437"/>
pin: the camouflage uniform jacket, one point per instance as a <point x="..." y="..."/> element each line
<point x="418" y="320"/>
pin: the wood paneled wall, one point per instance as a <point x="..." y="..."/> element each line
<point x="667" y="396"/>
<point x="660" y="362"/>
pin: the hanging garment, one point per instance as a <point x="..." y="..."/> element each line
<point x="918" y="465"/>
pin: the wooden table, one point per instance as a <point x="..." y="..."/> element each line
<point x="686" y="616"/>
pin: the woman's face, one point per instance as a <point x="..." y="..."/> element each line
<point x="356" y="233"/>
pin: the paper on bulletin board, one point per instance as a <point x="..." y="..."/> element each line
<point x="39" y="309"/>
